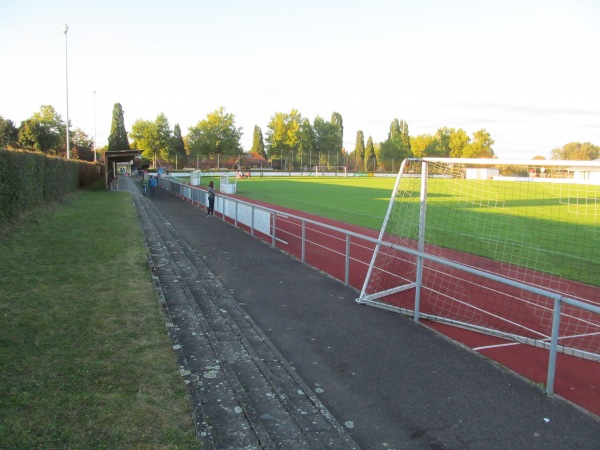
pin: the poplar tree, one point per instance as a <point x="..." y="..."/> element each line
<point x="117" y="140"/>
<point x="306" y="144"/>
<point x="370" y="158"/>
<point x="359" y="149"/>
<point x="397" y="146"/>
<point x="336" y="118"/>
<point x="405" y="136"/>
<point x="258" y="143"/>
<point x="177" y="145"/>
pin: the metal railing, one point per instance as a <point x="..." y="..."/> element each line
<point x="346" y="255"/>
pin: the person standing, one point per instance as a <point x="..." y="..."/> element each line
<point x="152" y="184"/>
<point x="144" y="184"/>
<point x="211" y="199"/>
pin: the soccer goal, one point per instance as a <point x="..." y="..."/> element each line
<point x="535" y="223"/>
<point x="331" y="171"/>
<point x="228" y="183"/>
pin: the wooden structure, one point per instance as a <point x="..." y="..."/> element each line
<point x="112" y="158"/>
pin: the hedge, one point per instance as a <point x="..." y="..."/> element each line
<point x="29" y="179"/>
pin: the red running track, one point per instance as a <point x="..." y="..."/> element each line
<point x="576" y="379"/>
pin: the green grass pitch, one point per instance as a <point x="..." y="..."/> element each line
<point x="560" y="222"/>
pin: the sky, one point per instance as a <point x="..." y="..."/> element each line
<point x="526" y="71"/>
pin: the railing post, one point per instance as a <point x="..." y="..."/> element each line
<point x="252" y="220"/>
<point x="303" y="240"/>
<point x="347" y="272"/>
<point x="273" y="231"/>
<point x="553" y="346"/>
<point x="236" y="213"/>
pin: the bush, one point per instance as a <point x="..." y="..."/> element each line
<point x="29" y="179"/>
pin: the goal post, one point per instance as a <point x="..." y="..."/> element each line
<point x="228" y="183"/>
<point x="528" y="222"/>
<point x="331" y="171"/>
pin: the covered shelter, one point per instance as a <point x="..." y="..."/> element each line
<point x="587" y="173"/>
<point x="116" y="158"/>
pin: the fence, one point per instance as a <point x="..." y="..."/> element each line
<point x="346" y="254"/>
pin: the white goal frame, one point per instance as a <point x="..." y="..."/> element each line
<point x="331" y="171"/>
<point x="407" y="267"/>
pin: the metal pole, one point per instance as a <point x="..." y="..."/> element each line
<point x="422" y="215"/>
<point x="347" y="270"/>
<point x="303" y="241"/>
<point x="553" y="347"/>
<point x="95" y="146"/>
<point x="65" y="30"/>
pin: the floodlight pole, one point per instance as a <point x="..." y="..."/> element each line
<point x="94" y="125"/>
<point x="65" y="30"/>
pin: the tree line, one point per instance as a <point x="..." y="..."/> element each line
<point x="291" y="141"/>
<point x="45" y="132"/>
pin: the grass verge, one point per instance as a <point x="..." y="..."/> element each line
<point x="85" y="360"/>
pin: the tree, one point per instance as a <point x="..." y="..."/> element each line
<point x="359" y="149"/>
<point x="79" y="138"/>
<point x="283" y="137"/>
<point x="442" y="137"/>
<point x="453" y="143"/>
<point x="328" y="139"/>
<point x="458" y="141"/>
<point x="44" y="131"/>
<point x="395" y="148"/>
<point x="144" y="135"/>
<point x="405" y="136"/>
<point x="258" y="143"/>
<point x="165" y="138"/>
<point x="480" y="146"/>
<point x="117" y="140"/>
<point x="370" y="159"/>
<point x="177" y="144"/>
<point x="81" y="145"/>
<point x="423" y="145"/>
<point x="577" y="151"/>
<point x="9" y="134"/>
<point x="215" y="135"/>
<point x="336" y="119"/>
<point x="306" y="143"/>
<point x="153" y="138"/>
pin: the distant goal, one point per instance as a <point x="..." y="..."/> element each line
<point x="533" y="223"/>
<point x="331" y="171"/>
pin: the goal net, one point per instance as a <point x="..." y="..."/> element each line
<point x="535" y="223"/>
<point x="330" y="171"/>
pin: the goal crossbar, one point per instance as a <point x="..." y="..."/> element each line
<point x="509" y="162"/>
<point x="330" y="170"/>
